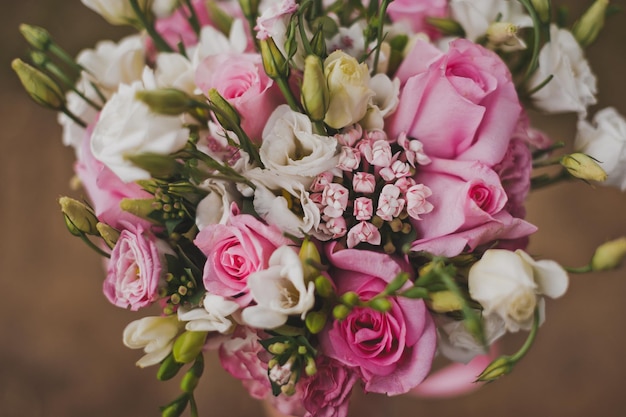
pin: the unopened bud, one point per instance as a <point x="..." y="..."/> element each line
<point x="274" y="62"/>
<point x="168" y="369"/>
<point x="445" y="302"/>
<point x="503" y="35"/>
<point x="609" y="255"/>
<point x="314" y="94"/>
<point x="350" y="299"/>
<point x="41" y="88"/>
<point x="542" y="7"/>
<point x="277" y="348"/>
<point x="249" y="7"/>
<point x="109" y="234"/>
<point x="397" y="283"/>
<point x="341" y="311"/>
<point x="323" y="286"/>
<point x="168" y="101"/>
<point x="190" y="380"/>
<point x="36" y="36"/>
<point x="310" y="256"/>
<point x="175" y="408"/>
<point x="140" y="207"/>
<point x="159" y="166"/>
<point x="227" y="115"/>
<point x="496" y="369"/>
<point x="218" y="17"/>
<point x="381" y="304"/>
<point x="588" y="27"/>
<point x="318" y="43"/>
<point x="446" y="26"/>
<point x="584" y="167"/>
<point x="310" y="369"/>
<point x="79" y="215"/>
<point x="315" y="321"/>
<point x="188" y="346"/>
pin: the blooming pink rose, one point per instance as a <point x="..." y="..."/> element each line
<point x="327" y="393"/>
<point x="234" y="251"/>
<point x="469" y="209"/>
<point x="242" y="81"/>
<point x="415" y="12"/>
<point x="135" y="268"/>
<point x="392" y="351"/>
<point x="514" y="172"/>
<point x="106" y="190"/>
<point x="460" y="105"/>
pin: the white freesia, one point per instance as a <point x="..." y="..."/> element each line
<point x="215" y="207"/>
<point x="349" y="87"/>
<point x="127" y="127"/>
<point x="155" y="335"/>
<point x="458" y="344"/>
<point x="384" y="102"/>
<point x="508" y="284"/>
<point x="573" y="86"/>
<point x="117" y="12"/>
<point x="605" y="140"/>
<point x="475" y="16"/>
<point x="290" y="148"/>
<point x="279" y="291"/>
<point x="213" y="317"/>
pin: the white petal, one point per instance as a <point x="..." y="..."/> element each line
<point x="262" y="318"/>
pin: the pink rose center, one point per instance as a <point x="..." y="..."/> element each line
<point x="482" y="196"/>
<point x="235" y="261"/>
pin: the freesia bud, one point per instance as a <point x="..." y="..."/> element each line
<point x="188" y="346"/>
<point x="79" y="215"/>
<point x="446" y="26"/>
<point x="36" y="36"/>
<point x="39" y="86"/>
<point x="176" y="407"/>
<point x="274" y="62"/>
<point x="168" y="369"/>
<point x="310" y="256"/>
<point x="445" y="302"/>
<point x="381" y="304"/>
<point x="109" y="234"/>
<point x="318" y="43"/>
<point x="496" y="369"/>
<point x="310" y="369"/>
<point x="542" y="7"/>
<point x="190" y="380"/>
<point x="588" y="27"/>
<point x="315" y="321"/>
<point x="118" y="12"/>
<point x="350" y="299"/>
<point x="583" y="166"/>
<point x="227" y="115"/>
<point x="314" y="94"/>
<point x="341" y="311"/>
<point x="323" y="286"/>
<point x="609" y="255"/>
<point x="168" y="101"/>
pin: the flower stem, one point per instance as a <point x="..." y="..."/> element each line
<point x="159" y="42"/>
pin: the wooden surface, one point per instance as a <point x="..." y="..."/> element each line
<point x="61" y="352"/>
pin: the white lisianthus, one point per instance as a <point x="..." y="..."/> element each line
<point x="127" y="127"/>
<point x="508" y="284"/>
<point x="605" y="140"/>
<point x="475" y="16"/>
<point x="212" y="318"/>
<point x="290" y="148"/>
<point x="349" y="87"/>
<point x="174" y="70"/>
<point x="215" y="207"/>
<point x="279" y="291"/>
<point x="73" y="133"/>
<point x="573" y="86"/>
<point x="384" y="102"/>
<point x="458" y="344"/>
<point x="155" y="335"/>
<point x="117" y="12"/>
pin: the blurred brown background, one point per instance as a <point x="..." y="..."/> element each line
<point x="60" y="346"/>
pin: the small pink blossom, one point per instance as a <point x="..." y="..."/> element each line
<point x="364" y="182"/>
<point x="337" y="227"/>
<point x="349" y="159"/>
<point x="375" y="135"/>
<point x="404" y="184"/>
<point x="416" y="203"/>
<point x="413" y="150"/>
<point x="377" y="153"/>
<point x="335" y="200"/>
<point x="350" y="135"/>
<point x="397" y="169"/>
<point x="321" y="181"/>
<point x="363" y="208"/>
<point x="389" y="203"/>
<point x="363" y="232"/>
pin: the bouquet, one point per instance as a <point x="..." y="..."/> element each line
<point x="326" y="193"/>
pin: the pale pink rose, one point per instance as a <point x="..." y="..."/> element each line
<point x="327" y="393"/>
<point x="390" y="204"/>
<point x="349" y="159"/>
<point x="135" y="268"/>
<point x="234" y="251"/>
<point x="363" y="208"/>
<point x="469" y="209"/>
<point x="106" y="190"/>
<point x="363" y="232"/>
<point x="242" y="81"/>
<point x="416" y="203"/>
<point x="392" y="351"/>
<point x="364" y="182"/>
<point x="414" y="13"/>
<point x="335" y="200"/>
<point x="462" y="106"/>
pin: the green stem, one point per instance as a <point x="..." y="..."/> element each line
<point x="305" y="41"/>
<point x="537" y="24"/>
<point x="65" y="57"/>
<point x="193" y="17"/>
<point x="75" y="118"/>
<point x="529" y="340"/>
<point x="93" y="246"/>
<point x="579" y="270"/>
<point x="193" y="407"/>
<point x="547" y="162"/>
<point x="379" y="36"/>
<point x="546" y="180"/>
<point x="291" y="99"/>
<point x="158" y="40"/>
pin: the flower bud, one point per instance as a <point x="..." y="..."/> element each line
<point x="448" y="27"/>
<point x="140" y="207"/>
<point x="222" y="20"/>
<point x="109" y="234"/>
<point x="609" y="255"/>
<point x="341" y="311"/>
<point x="584" y="167"/>
<point x="315" y="321"/>
<point x="587" y="28"/>
<point x="542" y="7"/>
<point x="41" y="88"/>
<point x="36" y="36"/>
<point x="168" y="369"/>
<point x="496" y="369"/>
<point x="176" y="407"/>
<point x="310" y="256"/>
<point x="310" y="369"/>
<point x="277" y="348"/>
<point x="397" y="283"/>
<point x="318" y="43"/>
<point x="314" y="94"/>
<point x="168" y="101"/>
<point x="79" y="215"/>
<point x="274" y="62"/>
<point x="227" y="115"/>
<point x="323" y="286"/>
<point x="503" y="35"/>
<point x="249" y="7"/>
<point x="350" y="299"/>
<point x="159" y="166"/>
<point x="445" y="302"/>
<point x="381" y="304"/>
<point x="188" y="346"/>
<point x="415" y="293"/>
<point x="190" y="380"/>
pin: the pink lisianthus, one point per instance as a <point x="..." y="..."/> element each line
<point x="414" y="13"/>
<point x="469" y="209"/>
<point x="392" y="351"/>
<point x="327" y="393"/>
<point x="242" y="81"/>
<point x="234" y="251"/>
<point x="468" y="80"/>
<point x="135" y="268"/>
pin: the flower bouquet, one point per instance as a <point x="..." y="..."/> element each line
<point x="326" y="193"/>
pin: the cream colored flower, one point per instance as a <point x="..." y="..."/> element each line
<point x="213" y="317"/>
<point x="117" y="12"/>
<point x="155" y="335"/>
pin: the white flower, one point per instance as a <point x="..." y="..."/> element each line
<point x="507" y="284"/>
<point x="605" y="141"/>
<point x="155" y="335"/>
<point x="350" y="92"/>
<point x="127" y="127"/>
<point x="384" y="102"/>
<point x="215" y="207"/>
<point x="458" y="345"/>
<point x="117" y="12"/>
<point x="164" y="8"/>
<point x="212" y="318"/>
<point x="279" y="291"/>
<point x="475" y="16"/>
<point x="174" y="70"/>
<point x="573" y="86"/>
<point x="73" y="133"/>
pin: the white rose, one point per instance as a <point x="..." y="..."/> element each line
<point x="573" y="86"/>
<point x="212" y="318"/>
<point x="155" y="335"/>
<point x="475" y="16"/>
<point x="350" y="92"/>
<point x="605" y="141"/>
<point x="127" y="127"/>
<point x="290" y="148"/>
<point x="117" y="12"/>
<point x="279" y="291"/>
<point x="507" y="284"/>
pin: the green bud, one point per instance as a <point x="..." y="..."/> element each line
<point x="274" y="62"/>
<point x="41" y="88"/>
<point x="381" y="304"/>
<point x="310" y="369"/>
<point x="542" y="7"/>
<point x="159" y="166"/>
<point x="341" y="311"/>
<point x="222" y="20"/>
<point x="445" y="302"/>
<point x="314" y="95"/>
<point x="318" y="43"/>
<point x="350" y="299"/>
<point x="227" y="115"/>
<point x="188" y="346"/>
<point x="588" y="27"/>
<point x="609" y="255"/>
<point x="584" y="167"/>
<point x="496" y="369"/>
<point x="315" y="321"/>
<point x="446" y="26"/>
<point x="109" y="234"/>
<point x="79" y="215"/>
<point x="36" y="36"/>
<point x="309" y="256"/>
<point x="168" y="101"/>
<point x="169" y="368"/>
<point x="249" y="7"/>
<point x="415" y="293"/>
<point x="140" y="207"/>
<point x="176" y="407"/>
<point x="277" y="348"/>
<point x="190" y="380"/>
<point x="323" y="286"/>
<point x="397" y="283"/>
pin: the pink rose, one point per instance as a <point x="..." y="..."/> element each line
<point x="392" y="351"/>
<point x="415" y="12"/>
<point x="241" y="79"/>
<point x="460" y="105"/>
<point x="135" y="268"/>
<point x="327" y="393"/>
<point x="514" y="172"/>
<point x="469" y="209"/>
<point x="234" y="251"/>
